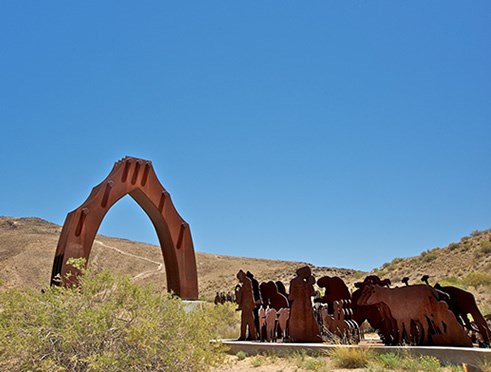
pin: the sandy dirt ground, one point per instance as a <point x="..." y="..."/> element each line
<point x="268" y="364"/>
<point x="292" y="364"/>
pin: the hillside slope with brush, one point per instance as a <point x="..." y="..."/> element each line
<point x="27" y="248"/>
<point x="28" y="245"/>
<point x="465" y="264"/>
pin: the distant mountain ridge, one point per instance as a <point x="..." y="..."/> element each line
<point x="27" y="248"/>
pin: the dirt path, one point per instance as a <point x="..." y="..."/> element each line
<point x="148" y="273"/>
<point x="126" y="253"/>
<point x="142" y="275"/>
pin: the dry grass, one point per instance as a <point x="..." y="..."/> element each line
<point x="339" y="361"/>
<point x="348" y="357"/>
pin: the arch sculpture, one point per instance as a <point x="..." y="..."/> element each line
<point x="137" y="178"/>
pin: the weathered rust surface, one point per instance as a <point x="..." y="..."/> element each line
<point x="303" y="325"/>
<point x="420" y="317"/>
<point x="247" y="305"/>
<point x="462" y="303"/>
<point x="340" y="321"/>
<point x="409" y="315"/>
<point x="137" y="178"/>
<point x="335" y="289"/>
<point x="271" y="296"/>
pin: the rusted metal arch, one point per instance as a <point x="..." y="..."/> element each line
<point x="137" y="178"/>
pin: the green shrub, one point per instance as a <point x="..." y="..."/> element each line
<point x="313" y="364"/>
<point x="455" y="368"/>
<point x="227" y="320"/>
<point x="485" y="247"/>
<point x="358" y="275"/>
<point x="107" y="323"/>
<point x="429" y="363"/>
<point x="453" y="246"/>
<point x="389" y="360"/>
<point x="476" y="279"/>
<point x="451" y="280"/>
<point x="346" y="357"/>
<point x="298" y="357"/>
<point x="429" y="256"/>
<point x="423" y="363"/>
<point x="406" y="361"/>
<point x="241" y="355"/>
<point x="397" y="260"/>
<point x="257" y="361"/>
<point x="476" y="233"/>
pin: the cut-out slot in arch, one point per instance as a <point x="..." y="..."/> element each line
<point x="82" y="224"/>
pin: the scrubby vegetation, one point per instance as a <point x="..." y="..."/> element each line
<point x="465" y="264"/>
<point x="475" y="279"/>
<point x="227" y="320"/>
<point x="343" y="358"/>
<point x="107" y="323"/>
<point x="112" y="324"/>
<point x="398" y="361"/>
<point x="484" y="247"/>
<point x="429" y="255"/>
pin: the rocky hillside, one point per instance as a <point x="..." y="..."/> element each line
<point x="465" y="264"/>
<point x="27" y="247"/>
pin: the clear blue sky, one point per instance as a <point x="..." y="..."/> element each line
<point x="341" y="133"/>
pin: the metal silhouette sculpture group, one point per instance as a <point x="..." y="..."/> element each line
<point x="416" y="314"/>
<point x="222" y="297"/>
<point x="137" y="178"/>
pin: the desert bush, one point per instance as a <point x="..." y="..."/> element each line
<point x="389" y="360"/>
<point x="476" y="233"/>
<point x="313" y="364"/>
<point x="477" y="279"/>
<point x="428" y="256"/>
<point x="485" y="247"/>
<point x="299" y="356"/>
<point x="423" y="363"/>
<point x="241" y="355"/>
<point x="106" y="323"/>
<point x="451" y="280"/>
<point x="453" y="246"/>
<point x="346" y="357"/>
<point x="405" y="361"/>
<point x="358" y="275"/>
<point x="258" y="361"/>
<point x="397" y="260"/>
<point x="227" y="320"/>
<point x="485" y="366"/>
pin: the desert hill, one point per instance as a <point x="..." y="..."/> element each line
<point x="27" y="248"/>
<point x="465" y="264"/>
